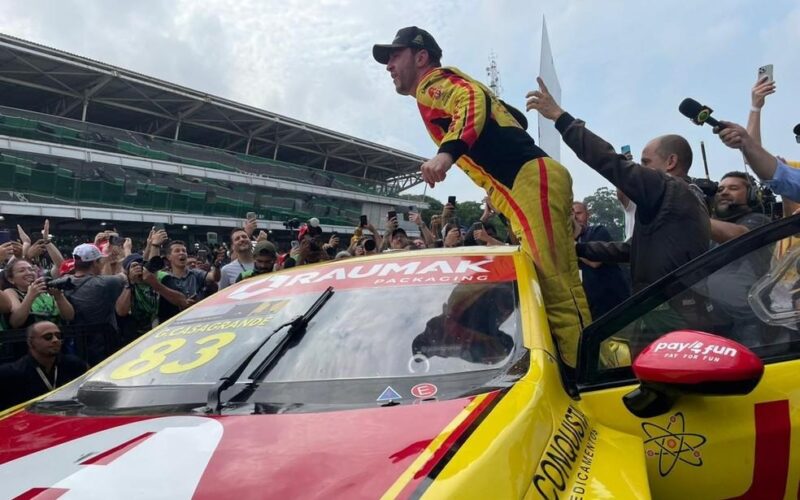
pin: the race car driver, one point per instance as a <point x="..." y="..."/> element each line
<point x="486" y="138"/>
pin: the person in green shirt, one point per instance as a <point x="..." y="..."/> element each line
<point x="264" y="257"/>
<point x="31" y="300"/>
<point x="137" y="305"/>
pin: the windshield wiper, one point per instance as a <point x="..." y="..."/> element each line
<point x="297" y="325"/>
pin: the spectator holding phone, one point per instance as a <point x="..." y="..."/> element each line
<point x="30" y="298"/>
<point x="452" y="236"/>
<point x="426" y="233"/>
<point x="155" y="240"/>
<point x="33" y="251"/>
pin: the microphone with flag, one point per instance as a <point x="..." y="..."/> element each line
<point x="698" y="113"/>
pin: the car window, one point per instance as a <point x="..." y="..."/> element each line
<point x="747" y="290"/>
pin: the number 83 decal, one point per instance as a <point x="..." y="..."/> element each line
<point x="156" y="355"/>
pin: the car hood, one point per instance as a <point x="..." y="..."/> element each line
<point x="345" y="454"/>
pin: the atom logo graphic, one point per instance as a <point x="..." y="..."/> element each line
<point x="672" y="444"/>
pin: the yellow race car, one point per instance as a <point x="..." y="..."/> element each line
<point x="432" y="374"/>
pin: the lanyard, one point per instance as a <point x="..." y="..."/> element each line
<point x="47" y="383"/>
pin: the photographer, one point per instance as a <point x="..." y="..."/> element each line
<point x="137" y="305"/>
<point x="309" y="251"/>
<point x="31" y="299"/>
<point x="93" y="297"/>
<point x="358" y="241"/>
<point x="734" y="207"/>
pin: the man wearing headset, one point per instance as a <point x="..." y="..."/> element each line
<point x="734" y="206"/>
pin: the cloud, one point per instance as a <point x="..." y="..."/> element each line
<point x="623" y="65"/>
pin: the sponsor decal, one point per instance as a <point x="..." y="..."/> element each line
<point x="404" y="272"/>
<point x="695" y="350"/>
<point x="434" y="92"/>
<point x="388" y="394"/>
<point x="214" y="326"/>
<point x="671" y="444"/>
<point x="564" y="453"/>
<point x="584" y="468"/>
<point x="424" y="390"/>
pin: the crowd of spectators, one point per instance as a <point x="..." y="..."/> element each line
<point x="110" y="291"/>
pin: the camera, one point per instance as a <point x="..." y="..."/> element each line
<point x="155" y="264"/>
<point x="291" y="224"/>
<point x="369" y="245"/>
<point x="63" y="283"/>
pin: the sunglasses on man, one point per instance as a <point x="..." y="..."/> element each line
<point x="48" y="337"/>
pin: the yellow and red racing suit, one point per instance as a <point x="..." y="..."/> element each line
<point x="488" y="142"/>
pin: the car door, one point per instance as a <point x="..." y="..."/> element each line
<point x="712" y="446"/>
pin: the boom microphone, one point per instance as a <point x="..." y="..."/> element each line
<point x="698" y="113"/>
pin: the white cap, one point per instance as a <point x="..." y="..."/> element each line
<point x="313" y="222"/>
<point x="87" y="252"/>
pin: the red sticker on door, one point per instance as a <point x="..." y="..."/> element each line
<point x="424" y="390"/>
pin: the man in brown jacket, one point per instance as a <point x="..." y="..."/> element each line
<point x="672" y="225"/>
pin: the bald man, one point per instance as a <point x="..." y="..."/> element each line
<point x="41" y="370"/>
<point x="671" y="226"/>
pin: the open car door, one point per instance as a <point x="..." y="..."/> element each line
<point x="717" y="401"/>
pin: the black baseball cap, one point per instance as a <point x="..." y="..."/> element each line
<point x="412" y="37"/>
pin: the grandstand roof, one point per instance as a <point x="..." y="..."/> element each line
<point x="51" y="81"/>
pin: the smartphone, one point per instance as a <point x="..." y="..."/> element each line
<point x="625" y="150"/>
<point x="116" y="241"/>
<point x="766" y="71"/>
<point x="158" y="226"/>
<point x="251" y="215"/>
<point x="202" y="255"/>
<point x="211" y="238"/>
<point x="5" y="236"/>
<point x="364" y="222"/>
<point x="391" y="215"/>
<point x="451" y="200"/>
<point x="476" y="226"/>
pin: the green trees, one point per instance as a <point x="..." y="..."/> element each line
<point x="605" y="210"/>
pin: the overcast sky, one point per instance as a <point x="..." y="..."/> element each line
<point x="624" y="66"/>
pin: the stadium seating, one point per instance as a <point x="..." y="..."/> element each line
<point x="29" y="125"/>
<point x="74" y="182"/>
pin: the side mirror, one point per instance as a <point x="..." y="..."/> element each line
<point x="690" y="362"/>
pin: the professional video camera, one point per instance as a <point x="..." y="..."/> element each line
<point x="63" y="283"/>
<point x="291" y="224"/>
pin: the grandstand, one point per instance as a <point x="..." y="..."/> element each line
<point x="83" y="140"/>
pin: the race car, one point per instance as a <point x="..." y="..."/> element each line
<point x="432" y="374"/>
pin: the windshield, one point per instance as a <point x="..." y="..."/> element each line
<point x="396" y="318"/>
